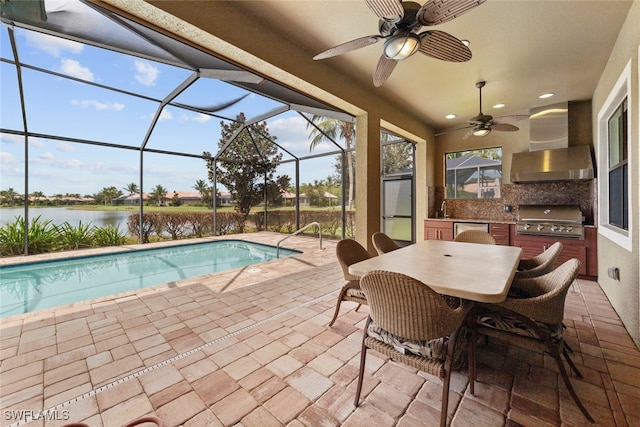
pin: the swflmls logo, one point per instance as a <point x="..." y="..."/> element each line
<point x="30" y="415"/>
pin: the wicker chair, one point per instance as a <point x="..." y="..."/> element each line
<point x="532" y="321"/>
<point x="349" y="252"/>
<point x="475" y="236"/>
<point x="383" y="243"/>
<point x="412" y="324"/>
<point x="539" y="264"/>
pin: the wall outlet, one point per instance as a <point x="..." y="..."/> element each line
<point x="614" y="273"/>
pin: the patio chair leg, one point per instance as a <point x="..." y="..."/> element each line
<point x="363" y="357"/>
<point x="563" y="373"/>
<point x="472" y="359"/>
<point x="343" y="291"/>
<point x="571" y="364"/>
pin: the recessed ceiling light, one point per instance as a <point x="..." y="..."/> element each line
<point x="499" y="105"/>
<point x="450" y="116"/>
<point x="546" y="95"/>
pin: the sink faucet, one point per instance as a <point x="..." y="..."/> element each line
<point x="443" y="208"/>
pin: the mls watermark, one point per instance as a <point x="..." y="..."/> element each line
<point x="31" y="415"/>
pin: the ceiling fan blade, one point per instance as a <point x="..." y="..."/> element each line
<point x="469" y="133"/>
<point x="513" y="118"/>
<point x="443" y="46"/>
<point x="214" y="108"/>
<point x="383" y="70"/>
<point x="444" y="132"/>
<point x="436" y="12"/>
<point x="348" y="47"/>
<point x="388" y="10"/>
<point x="504" y="127"/>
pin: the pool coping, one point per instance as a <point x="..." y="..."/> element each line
<point x="242" y="276"/>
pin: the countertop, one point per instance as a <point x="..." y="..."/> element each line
<point x="486" y="221"/>
<point x="479" y="221"/>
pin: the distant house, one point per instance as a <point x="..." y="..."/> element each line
<point x="224" y="199"/>
<point x="186" y="197"/>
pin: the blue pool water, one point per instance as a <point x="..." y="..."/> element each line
<point x="29" y="287"/>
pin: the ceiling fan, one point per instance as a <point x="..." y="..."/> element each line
<point x="483" y="124"/>
<point x="398" y="26"/>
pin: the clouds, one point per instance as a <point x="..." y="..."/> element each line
<point x="54" y="46"/>
<point x="7" y="158"/>
<point x="86" y="103"/>
<point x="146" y="74"/>
<point x="74" y="69"/>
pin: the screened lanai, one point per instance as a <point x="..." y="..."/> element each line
<point x="97" y="107"/>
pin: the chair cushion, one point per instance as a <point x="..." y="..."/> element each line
<point x="355" y="292"/>
<point x="512" y="324"/>
<point x="434" y="349"/>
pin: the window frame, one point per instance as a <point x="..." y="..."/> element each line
<point x="620" y="91"/>
<point x="471" y="150"/>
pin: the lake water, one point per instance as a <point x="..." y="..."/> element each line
<point x="72" y="216"/>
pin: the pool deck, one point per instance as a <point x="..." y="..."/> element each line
<point x="250" y="347"/>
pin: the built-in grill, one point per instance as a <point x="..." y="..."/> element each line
<point x="550" y="220"/>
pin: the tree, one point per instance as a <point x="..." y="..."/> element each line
<point x="396" y="157"/>
<point x="9" y="196"/>
<point x="105" y="196"/>
<point x="132" y="188"/>
<point x="157" y="195"/>
<point x="245" y="164"/>
<point x="331" y="129"/>
<point x="175" y="200"/>
<point x="204" y="190"/>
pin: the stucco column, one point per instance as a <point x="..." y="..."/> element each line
<point x="367" y="195"/>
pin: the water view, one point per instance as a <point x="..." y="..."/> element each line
<point x="61" y="215"/>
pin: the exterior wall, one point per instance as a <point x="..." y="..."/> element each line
<point x="624" y="294"/>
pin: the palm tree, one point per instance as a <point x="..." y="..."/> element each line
<point x="132" y="188"/>
<point x="158" y="194"/>
<point x="201" y="187"/>
<point x="331" y="129"/>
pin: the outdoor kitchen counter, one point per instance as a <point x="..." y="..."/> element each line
<point x="475" y="220"/>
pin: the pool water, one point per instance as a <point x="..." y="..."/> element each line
<point x="29" y="287"/>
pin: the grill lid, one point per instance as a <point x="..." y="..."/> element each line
<point x="567" y="214"/>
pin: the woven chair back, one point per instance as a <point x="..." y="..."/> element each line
<point x="540" y="264"/>
<point x="548" y="293"/>
<point x="383" y="243"/>
<point x="348" y="252"/>
<point x="407" y="307"/>
<point x="475" y="236"/>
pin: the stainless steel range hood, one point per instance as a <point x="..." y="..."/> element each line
<point x="560" y="164"/>
<point x="550" y="158"/>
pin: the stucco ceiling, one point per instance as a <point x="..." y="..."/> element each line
<point x="520" y="48"/>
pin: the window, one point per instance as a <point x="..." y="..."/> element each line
<point x="615" y="164"/>
<point x="474" y="174"/>
<point x="618" y="167"/>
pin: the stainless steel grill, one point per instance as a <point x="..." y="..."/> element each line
<point x="550" y="220"/>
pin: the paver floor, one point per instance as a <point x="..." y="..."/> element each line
<point x="250" y="347"/>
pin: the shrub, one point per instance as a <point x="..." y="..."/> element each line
<point x="108" y="236"/>
<point x="70" y="237"/>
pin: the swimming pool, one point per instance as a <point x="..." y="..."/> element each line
<point x="29" y="287"/>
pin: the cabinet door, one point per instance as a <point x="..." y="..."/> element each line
<point x="500" y="232"/>
<point x="438" y="230"/>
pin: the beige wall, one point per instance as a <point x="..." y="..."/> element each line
<point x="624" y="294"/>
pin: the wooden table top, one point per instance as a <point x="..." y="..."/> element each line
<point x="467" y="270"/>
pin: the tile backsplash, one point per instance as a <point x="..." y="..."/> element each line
<point x="581" y="193"/>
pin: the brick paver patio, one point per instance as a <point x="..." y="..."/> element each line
<point x="250" y="347"/>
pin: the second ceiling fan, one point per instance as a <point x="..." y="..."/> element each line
<point x="483" y="124"/>
<point x="398" y="26"/>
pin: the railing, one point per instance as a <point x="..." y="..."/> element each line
<point x="298" y="232"/>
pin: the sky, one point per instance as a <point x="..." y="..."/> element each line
<point x="59" y="106"/>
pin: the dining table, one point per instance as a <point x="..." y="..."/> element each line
<point x="473" y="271"/>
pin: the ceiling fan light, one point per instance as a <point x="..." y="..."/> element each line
<point x="401" y="46"/>
<point x="481" y="131"/>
